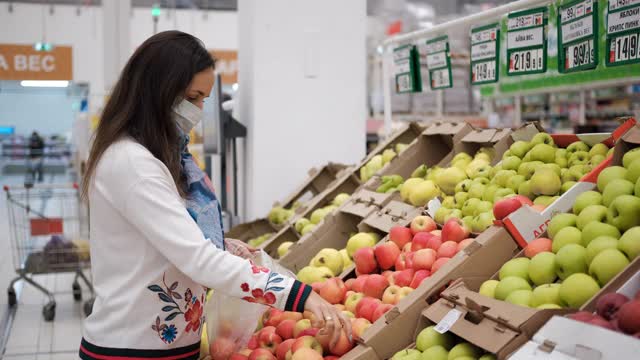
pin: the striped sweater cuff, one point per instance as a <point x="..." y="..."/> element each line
<point x="297" y="297"/>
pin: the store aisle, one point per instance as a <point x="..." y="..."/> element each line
<point x="29" y="336"/>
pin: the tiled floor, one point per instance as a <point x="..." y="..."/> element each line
<point x="30" y="336"/>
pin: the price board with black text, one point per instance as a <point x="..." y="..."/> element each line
<point x="578" y="36"/>
<point x="406" y="65"/>
<point x="485" y="50"/>
<point x="439" y="63"/>
<point x="527" y="41"/>
<point x="623" y="32"/>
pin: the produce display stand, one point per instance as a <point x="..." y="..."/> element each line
<point x="250" y="230"/>
<point x="404" y="135"/>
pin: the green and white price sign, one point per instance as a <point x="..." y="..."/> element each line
<point x="623" y="32"/>
<point x="439" y="63"/>
<point x="406" y="62"/>
<point x="527" y="41"/>
<point x="485" y="45"/>
<point x="578" y="36"/>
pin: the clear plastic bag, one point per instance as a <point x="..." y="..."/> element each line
<point x="232" y="321"/>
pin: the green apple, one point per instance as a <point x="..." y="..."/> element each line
<point x="475" y="165"/>
<point x="435" y="353"/>
<point x="624" y="212"/>
<point x="460" y="198"/>
<point x="423" y="193"/>
<point x="549" y="307"/>
<point x="629" y="243"/>
<point x="553" y="167"/>
<point x="596" y="229"/>
<point x="408" y="187"/>
<point x="469" y="207"/>
<point x="571" y="259"/>
<point x="633" y="171"/>
<point x="463" y="186"/>
<point x="542" y="138"/>
<point x="544" y="200"/>
<point x="346" y="260"/>
<point x="360" y="240"/>
<point x="488" y="357"/>
<point x="284" y="248"/>
<point x="494" y="170"/>
<point x="476" y="190"/>
<point x="591" y="213"/>
<point x="585" y="199"/>
<point x="511" y="163"/>
<point x="461" y="155"/>
<point x="307" y="229"/>
<point x="407" y="354"/>
<point x="515" y="267"/>
<point x="577" y="289"/>
<point x="596" y="160"/>
<point x="311" y="274"/>
<point x="515" y="182"/>
<point x="488" y="288"/>
<point x="545" y="182"/>
<point x="598" y="244"/>
<point x="501" y="194"/>
<point x="636" y="190"/>
<point x="525" y="190"/>
<point x="449" y="202"/>
<point x="388" y="155"/>
<point x="317" y="216"/>
<point x="543" y="152"/>
<point x="527" y="169"/>
<point x="546" y="294"/>
<point x="562" y="161"/>
<point x="468" y="221"/>
<point x="483" y="171"/>
<point x="566" y="235"/>
<point x="502" y="177"/>
<point x="461" y="164"/>
<point x="506" y="154"/>
<point x="598" y="149"/>
<point x="527" y="157"/>
<point x="482" y="221"/>
<point x="433" y="173"/>
<point x="560" y="221"/>
<point x="630" y="156"/>
<point x="542" y="268"/>
<point x="449" y="178"/>
<point x="577" y="146"/>
<point x="610" y="173"/>
<point x="301" y="223"/>
<point x="616" y="188"/>
<point x="607" y="264"/>
<point x="465" y="349"/>
<point x="419" y="172"/>
<point x="453" y="214"/>
<point x="578" y="158"/>
<point x="520" y="148"/>
<point x="490" y="192"/>
<point x="441" y="214"/>
<point x="566" y="186"/>
<point x="571" y="175"/>
<point x="483" y="206"/>
<point x="329" y="258"/>
<point x="561" y="153"/>
<point x="520" y="297"/>
<point x="510" y="284"/>
<point x="481" y="180"/>
<point x="429" y="337"/>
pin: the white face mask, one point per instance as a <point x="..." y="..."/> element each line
<point x="187" y="115"/>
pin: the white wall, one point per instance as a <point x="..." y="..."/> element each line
<point x="302" y="91"/>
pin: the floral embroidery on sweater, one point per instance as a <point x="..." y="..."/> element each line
<point x="264" y="296"/>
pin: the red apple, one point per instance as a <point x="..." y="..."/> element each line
<point x="504" y="207"/>
<point x="268" y="339"/>
<point x="599" y="321"/>
<point x="423" y="259"/>
<point x="402" y="262"/>
<point x="629" y="317"/>
<point x="389" y="276"/>
<point x="309" y="332"/>
<point x="418" y="277"/>
<point x="359" y="326"/>
<point x="537" y="246"/>
<point x="420" y="241"/>
<point x="609" y="304"/>
<point x="285" y="329"/>
<point x="222" y="348"/>
<point x="349" y="284"/>
<point x="448" y="249"/>
<point x="309" y="342"/>
<point x="439" y="263"/>
<point x="386" y="254"/>
<point x="365" y="260"/>
<point x="390" y="295"/>
<point x="380" y="310"/>
<point x="454" y="230"/>
<point x="403" y="278"/>
<point x="434" y="242"/>
<point x="301" y="325"/>
<point x="283" y="348"/>
<point x="407" y="247"/>
<point x="366" y="307"/>
<point x="523" y="199"/>
<point x="261" y="354"/>
<point x="306" y="354"/>
<point x="422" y="224"/>
<point x="272" y="317"/>
<point x="238" y="356"/>
<point x="331" y="357"/>
<point x="400" y="235"/>
<point x="333" y="291"/>
<point x="464" y="243"/>
<point x="253" y="342"/>
<point x="436" y="232"/>
<point x="343" y="346"/>
<point x="358" y="285"/>
<point x="375" y="286"/>
<point x="582" y="316"/>
<point x="352" y="301"/>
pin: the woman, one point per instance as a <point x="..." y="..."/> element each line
<point x="156" y="236"/>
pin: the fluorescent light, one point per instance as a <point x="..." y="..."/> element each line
<point x="47" y="83"/>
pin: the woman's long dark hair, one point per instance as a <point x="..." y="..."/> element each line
<point x="153" y="81"/>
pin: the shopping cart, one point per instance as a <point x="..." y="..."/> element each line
<point x="49" y="234"/>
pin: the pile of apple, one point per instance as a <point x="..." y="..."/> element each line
<point x="259" y="240"/>
<point x="431" y="345"/>
<point x="585" y="249"/>
<point x="379" y="161"/>
<point x="615" y="312"/>
<point x="304" y="225"/>
<point x="279" y="215"/>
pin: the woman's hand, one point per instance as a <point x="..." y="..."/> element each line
<point x="331" y="320"/>
<point x="239" y="248"/>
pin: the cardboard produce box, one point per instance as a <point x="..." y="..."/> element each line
<point x="251" y="230"/>
<point x="363" y="201"/>
<point x="565" y="339"/>
<point x="287" y="233"/>
<point x="480" y="259"/>
<point x="527" y="224"/>
<point x="406" y="134"/>
<point x="395" y="213"/>
<point x="498" y="139"/>
<point x="317" y="181"/>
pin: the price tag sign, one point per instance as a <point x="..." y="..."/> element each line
<point x="623" y="32"/>
<point x="527" y="41"/>
<point x="578" y="36"/>
<point x="485" y="48"/>
<point x="406" y="63"/>
<point x="439" y="62"/>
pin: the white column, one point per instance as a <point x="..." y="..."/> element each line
<point x="302" y="91"/>
<point x="116" y="30"/>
